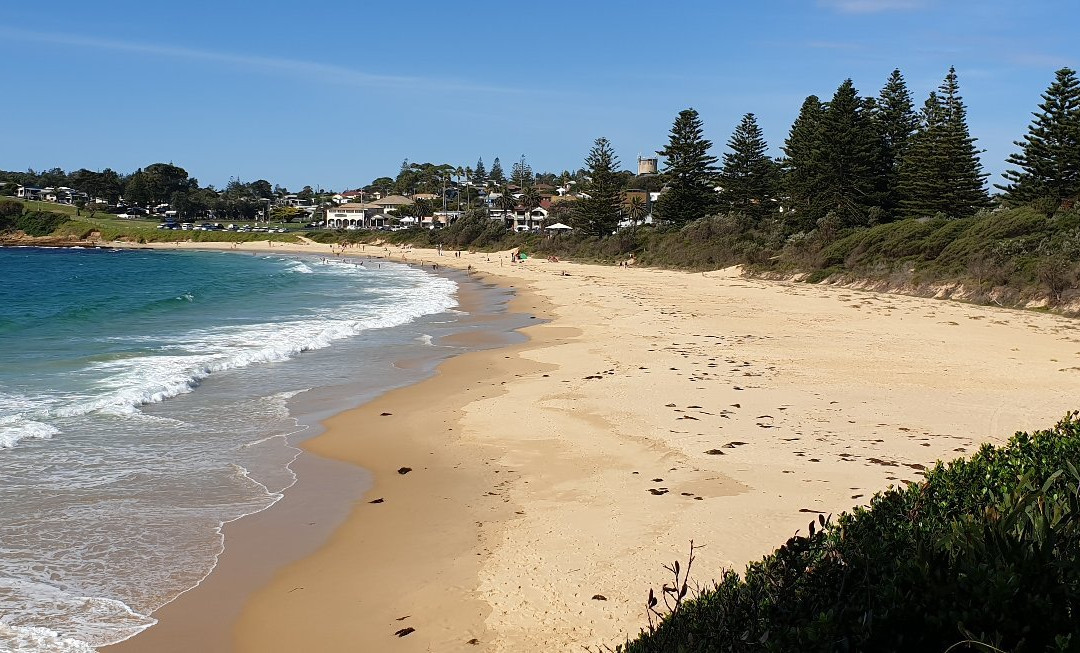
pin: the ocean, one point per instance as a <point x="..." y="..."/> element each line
<point x="147" y="398"/>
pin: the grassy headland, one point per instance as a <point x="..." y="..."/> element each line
<point x="51" y="223"/>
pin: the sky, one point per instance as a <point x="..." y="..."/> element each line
<point x="334" y="94"/>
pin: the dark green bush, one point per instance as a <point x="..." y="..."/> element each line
<point x="9" y="210"/>
<point x="982" y="555"/>
<point x="36" y="223"/>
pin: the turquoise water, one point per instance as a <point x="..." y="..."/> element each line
<point x="145" y="401"/>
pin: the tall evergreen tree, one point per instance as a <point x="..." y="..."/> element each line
<point x="832" y="161"/>
<point x="598" y="214"/>
<point x="941" y="172"/>
<point x="497" y="175"/>
<point x="801" y="166"/>
<point x="896" y="122"/>
<point x="521" y="174"/>
<point x="966" y="191"/>
<point x="921" y="187"/>
<point x="749" y="179"/>
<point x="690" y="172"/>
<point x="849" y="158"/>
<point x="479" y="175"/>
<point x="1049" y="160"/>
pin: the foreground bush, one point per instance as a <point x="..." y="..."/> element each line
<point x="982" y="555"/>
<point x="15" y="217"/>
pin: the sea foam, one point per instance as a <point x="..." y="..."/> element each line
<point x="126" y="384"/>
<point x="117" y="507"/>
<point x="12" y="434"/>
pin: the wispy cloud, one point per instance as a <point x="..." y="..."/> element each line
<point x="872" y="6"/>
<point x="273" y="66"/>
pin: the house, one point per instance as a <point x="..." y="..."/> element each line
<point x="28" y="193"/>
<point x="530" y="220"/>
<point x="563" y="199"/>
<point x="65" y="195"/>
<point x="443" y="218"/>
<point x="60" y="195"/>
<point x="503" y="215"/>
<point x="392" y="203"/>
<point x="431" y="197"/>
<point x="293" y="201"/>
<point x="354" y="216"/>
<point x="348" y="196"/>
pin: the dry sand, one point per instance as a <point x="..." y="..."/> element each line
<point x="650" y="409"/>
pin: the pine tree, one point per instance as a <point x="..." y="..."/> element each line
<point x="749" y="178"/>
<point x="690" y="172"/>
<point x="598" y="214"/>
<point x="479" y="175"/>
<point x="1049" y="160"/>
<point x="497" y="175"/>
<point x="521" y="174"/>
<point x="941" y="172"/>
<point x="962" y="170"/>
<point x="920" y="185"/>
<point x="896" y="122"/>
<point x="801" y="165"/>
<point x="849" y="158"/>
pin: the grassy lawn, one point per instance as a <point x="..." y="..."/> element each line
<point x="146" y="230"/>
<point x="50" y="206"/>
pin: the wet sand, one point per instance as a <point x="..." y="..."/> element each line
<point x="550" y="480"/>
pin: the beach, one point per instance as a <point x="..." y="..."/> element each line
<point x="526" y="497"/>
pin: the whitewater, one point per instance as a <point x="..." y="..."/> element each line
<point x="149" y="398"/>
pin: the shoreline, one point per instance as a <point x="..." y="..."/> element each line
<point x="302" y="520"/>
<point x="653" y="408"/>
<point x="416" y="516"/>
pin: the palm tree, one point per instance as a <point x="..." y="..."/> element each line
<point x="530" y="199"/>
<point x="636" y="209"/>
<point x="506" y="201"/>
<point x="459" y="172"/>
<point x="468" y="176"/>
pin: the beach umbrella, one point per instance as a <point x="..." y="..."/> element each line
<point x="558" y="226"/>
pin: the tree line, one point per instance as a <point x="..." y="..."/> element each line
<point x="854" y="161"/>
<point x="155" y="185"/>
<point x="849" y="161"/>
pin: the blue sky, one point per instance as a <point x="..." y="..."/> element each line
<point x="334" y="94"/>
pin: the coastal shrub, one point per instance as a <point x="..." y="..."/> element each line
<point x="984" y="554"/>
<point x="9" y="210"/>
<point x="37" y="223"/>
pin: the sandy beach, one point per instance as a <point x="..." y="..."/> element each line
<point x="526" y="497"/>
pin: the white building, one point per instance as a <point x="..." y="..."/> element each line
<point x="356" y="216"/>
<point x="28" y="193"/>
